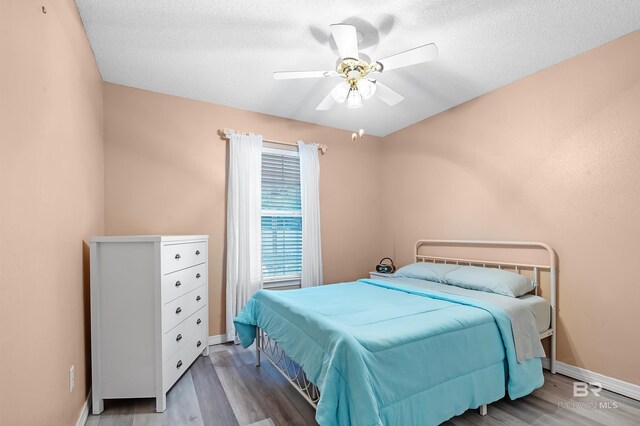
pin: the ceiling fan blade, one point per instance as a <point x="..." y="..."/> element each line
<point x="388" y="95"/>
<point x="417" y="55"/>
<point x="290" y="75"/>
<point x="326" y="103"/>
<point x="346" y="39"/>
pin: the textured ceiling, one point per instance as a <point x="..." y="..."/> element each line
<point x="224" y="52"/>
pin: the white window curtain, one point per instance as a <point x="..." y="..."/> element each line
<point x="244" y="253"/>
<point x="310" y="198"/>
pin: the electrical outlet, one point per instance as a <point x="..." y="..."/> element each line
<point x="72" y="378"/>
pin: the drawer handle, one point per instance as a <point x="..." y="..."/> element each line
<point x="178" y="283"/>
<point x="198" y="298"/>
<point x="179" y="364"/>
<point x="198" y="344"/>
<point x="177" y="256"/>
<point x="199" y="321"/>
<point x="197" y="252"/>
<point x="178" y="310"/>
<point x="198" y="275"/>
<point x="178" y="337"/>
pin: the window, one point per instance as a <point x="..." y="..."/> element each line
<point x="281" y="218"/>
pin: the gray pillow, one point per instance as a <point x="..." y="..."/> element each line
<point x="490" y="280"/>
<point x="425" y="271"/>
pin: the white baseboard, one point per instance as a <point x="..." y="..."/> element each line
<point x="609" y="383"/>
<point x="216" y="340"/>
<point x="84" y="414"/>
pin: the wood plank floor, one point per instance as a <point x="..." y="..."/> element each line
<point x="227" y="389"/>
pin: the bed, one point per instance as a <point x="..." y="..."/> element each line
<point x="403" y="351"/>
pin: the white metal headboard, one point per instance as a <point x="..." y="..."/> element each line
<point x="551" y="266"/>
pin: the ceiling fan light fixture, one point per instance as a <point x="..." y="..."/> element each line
<point x="341" y="92"/>
<point x="366" y="87"/>
<point x="355" y="68"/>
<point x="354" y="100"/>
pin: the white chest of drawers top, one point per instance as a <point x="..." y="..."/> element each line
<point x="149" y="313"/>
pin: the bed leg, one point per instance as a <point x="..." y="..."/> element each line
<point x="258" y="335"/>
<point x="552" y="360"/>
<point x="483" y="410"/>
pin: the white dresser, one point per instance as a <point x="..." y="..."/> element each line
<point x="149" y="315"/>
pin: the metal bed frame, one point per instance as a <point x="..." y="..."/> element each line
<point x="551" y="266"/>
<point x="296" y="375"/>
<point x="286" y="366"/>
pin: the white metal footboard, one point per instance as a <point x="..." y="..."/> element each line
<point x="291" y="370"/>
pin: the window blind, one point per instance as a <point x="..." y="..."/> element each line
<point x="281" y="216"/>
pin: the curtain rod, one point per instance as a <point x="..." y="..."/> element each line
<point x="322" y="147"/>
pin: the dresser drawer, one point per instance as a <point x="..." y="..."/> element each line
<point x="176" y="311"/>
<point x="178" y="337"/>
<point x="181" y="282"/>
<point x="180" y="362"/>
<point x="180" y="256"/>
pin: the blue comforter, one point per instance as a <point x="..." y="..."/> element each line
<point x="387" y="354"/>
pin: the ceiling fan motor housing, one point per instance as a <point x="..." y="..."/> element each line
<point x="353" y="70"/>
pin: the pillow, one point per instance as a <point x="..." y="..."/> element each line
<point x="490" y="280"/>
<point x="426" y="271"/>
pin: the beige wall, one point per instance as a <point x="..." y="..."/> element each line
<point x="553" y="157"/>
<point x="165" y="173"/>
<point x="51" y="189"/>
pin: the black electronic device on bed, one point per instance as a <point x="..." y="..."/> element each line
<point x="385" y="268"/>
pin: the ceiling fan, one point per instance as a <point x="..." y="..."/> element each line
<point x="355" y="69"/>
